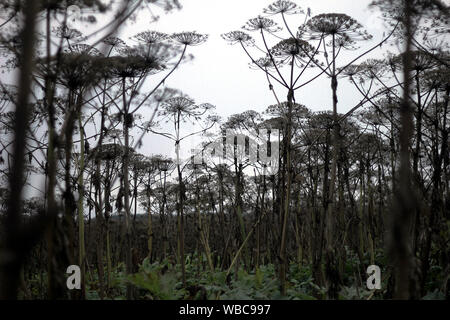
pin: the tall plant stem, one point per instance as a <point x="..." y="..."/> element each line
<point x="81" y="244"/>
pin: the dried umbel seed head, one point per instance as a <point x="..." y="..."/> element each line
<point x="189" y="38"/>
<point x="177" y="104"/>
<point x="349" y="71"/>
<point x="372" y="68"/>
<point x="337" y="24"/>
<point x="150" y="37"/>
<point x="260" y="23"/>
<point x="293" y="48"/>
<point x="83" y="49"/>
<point x="283" y="7"/>
<point x="265" y="63"/>
<point x="420" y="61"/>
<point x="234" y="37"/>
<point x="213" y="118"/>
<point x="437" y="79"/>
<point x="114" y="41"/>
<point x="344" y="42"/>
<point x="67" y="33"/>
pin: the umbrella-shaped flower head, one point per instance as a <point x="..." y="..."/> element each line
<point x="129" y="63"/>
<point x="78" y="66"/>
<point x="283" y="7"/>
<point x="150" y="37"/>
<point x="234" y="37"/>
<point x="115" y="43"/>
<point x="67" y="33"/>
<point x="178" y="105"/>
<point x="261" y="23"/>
<point x="83" y="49"/>
<point x="342" y="27"/>
<point x="290" y="48"/>
<point x="189" y="38"/>
<point x="265" y="63"/>
<point x="372" y="68"/>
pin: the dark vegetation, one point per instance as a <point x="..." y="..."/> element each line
<point x="370" y="186"/>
